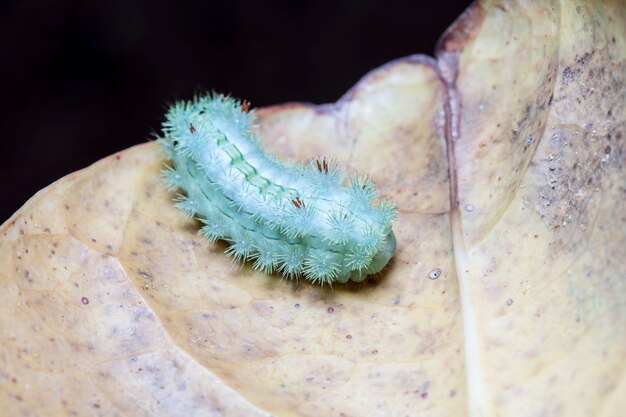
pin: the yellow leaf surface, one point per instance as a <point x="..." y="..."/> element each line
<point x="506" y="158"/>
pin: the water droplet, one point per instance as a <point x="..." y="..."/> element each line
<point x="434" y="274"/>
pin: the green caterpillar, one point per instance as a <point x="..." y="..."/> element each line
<point x="296" y="219"/>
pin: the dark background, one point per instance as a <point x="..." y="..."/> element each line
<point x="81" y="80"/>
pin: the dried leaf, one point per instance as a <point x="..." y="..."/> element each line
<point x="506" y="158"/>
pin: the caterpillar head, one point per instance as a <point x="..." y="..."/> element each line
<point x="384" y="254"/>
